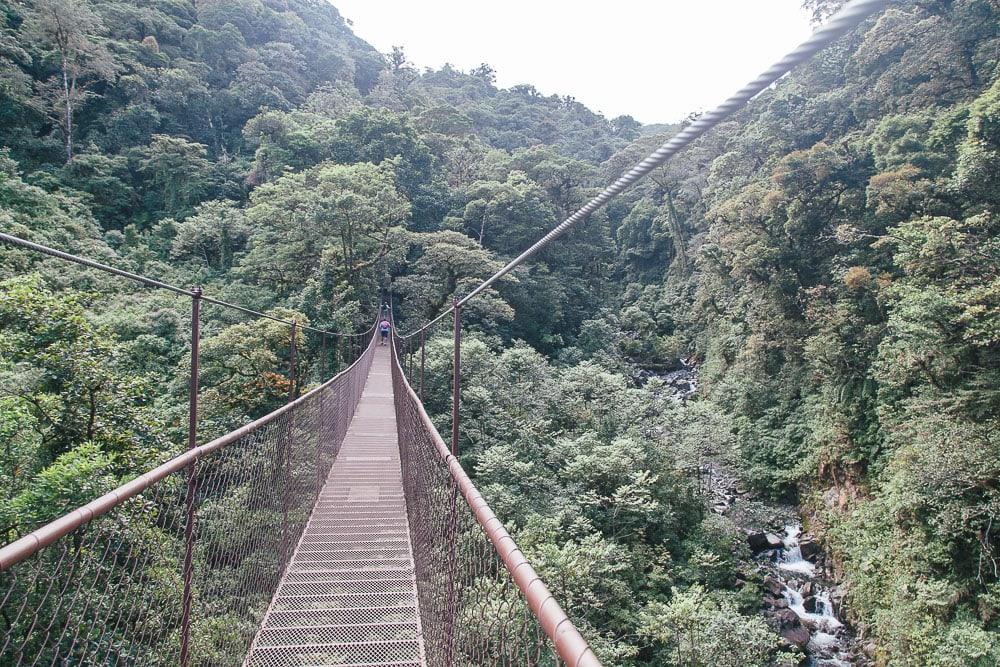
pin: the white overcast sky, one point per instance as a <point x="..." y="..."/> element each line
<point x="683" y="55"/>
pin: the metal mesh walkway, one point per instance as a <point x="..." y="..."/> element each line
<point x="348" y="595"/>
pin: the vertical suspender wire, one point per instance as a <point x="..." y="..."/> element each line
<point x="293" y="364"/>
<point x="192" y="479"/>
<point x="456" y="383"/>
<point x="422" y="359"/>
<point x="322" y="356"/>
<point x="321" y="438"/>
<point x="286" y="455"/>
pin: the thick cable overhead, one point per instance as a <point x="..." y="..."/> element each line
<point x="150" y="282"/>
<point x="45" y="250"/>
<point x="848" y="18"/>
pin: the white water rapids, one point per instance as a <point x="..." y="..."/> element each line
<point x="826" y="631"/>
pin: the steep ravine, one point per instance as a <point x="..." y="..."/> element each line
<point x="802" y="601"/>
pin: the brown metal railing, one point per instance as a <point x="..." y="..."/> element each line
<point x="178" y="565"/>
<point x="481" y="602"/>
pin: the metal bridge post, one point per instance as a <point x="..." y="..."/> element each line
<point x="192" y="479"/>
<point x="456" y="391"/>
<point x="293" y="363"/>
<point x="422" y="358"/>
<point x="322" y="367"/>
<point x="290" y="429"/>
<point x="323" y="426"/>
<point x="451" y="617"/>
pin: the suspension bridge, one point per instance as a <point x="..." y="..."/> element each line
<point x="339" y="529"/>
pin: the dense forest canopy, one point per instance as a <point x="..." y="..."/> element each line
<point x="829" y="260"/>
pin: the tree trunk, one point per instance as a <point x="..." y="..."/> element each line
<point x="92" y="417"/>
<point x="680" y="243"/>
<point x="67" y="96"/>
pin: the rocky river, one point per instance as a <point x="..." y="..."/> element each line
<point x="801" y="602"/>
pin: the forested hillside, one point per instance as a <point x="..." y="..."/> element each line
<point x="828" y="260"/>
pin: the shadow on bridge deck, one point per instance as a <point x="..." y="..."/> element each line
<point x="348" y="595"/>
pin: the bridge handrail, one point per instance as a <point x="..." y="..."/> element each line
<point x="572" y="648"/>
<point x="28" y="545"/>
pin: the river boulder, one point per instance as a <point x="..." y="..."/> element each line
<point x="809" y="547"/>
<point x="786" y="618"/>
<point x="774" y="603"/>
<point x="764" y="542"/>
<point x="799" y="636"/>
<point x="773" y="586"/>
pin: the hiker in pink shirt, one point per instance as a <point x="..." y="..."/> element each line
<point x="383" y="329"/>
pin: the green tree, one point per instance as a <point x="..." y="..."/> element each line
<point x="179" y="173"/>
<point x="245" y="371"/>
<point x="440" y="265"/>
<point x="696" y="631"/>
<point x="69" y="32"/>
<point x="214" y="235"/>
<point x="73" y="377"/>
<point x="342" y="213"/>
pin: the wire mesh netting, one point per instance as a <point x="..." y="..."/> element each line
<point x="472" y="612"/>
<point x="111" y="592"/>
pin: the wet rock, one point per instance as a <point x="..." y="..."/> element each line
<point x="807" y="589"/>
<point x="764" y="542"/>
<point x="812" y="624"/>
<point x="775" y="603"/>
<point x="786" y="618"/>
<point x="773" y="586"/>
<point x="824" y="646"/>
<point x="837" y="602"/>
<point x="809" y="548"/>
<point x="757" y="542"/>
<point x="798" y="636"/>
<point x="810" y="604"/>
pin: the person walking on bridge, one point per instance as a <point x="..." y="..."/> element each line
<point x="383" y="329"/>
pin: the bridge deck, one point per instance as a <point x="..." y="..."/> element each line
<point x="349" y="595"/>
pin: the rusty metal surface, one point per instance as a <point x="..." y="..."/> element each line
<point x="398" y="560"/>
<point x="348" y="595"/>
<point x="103" y="584"/>
<point x="481" y="602"/>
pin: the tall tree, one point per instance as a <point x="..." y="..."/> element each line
<point x="69" y="32"/>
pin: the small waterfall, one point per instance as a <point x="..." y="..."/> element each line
<point x="822" y="619"/>
<point x="828" y="638"/>
<point x="790" y="558"/>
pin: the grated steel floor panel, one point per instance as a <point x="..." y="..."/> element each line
<point x="348" y="596"/>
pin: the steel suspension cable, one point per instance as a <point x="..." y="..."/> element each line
<point x="848" y="18"/>
<point x="151" y="282"/>
<point x="45" y="250"/>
